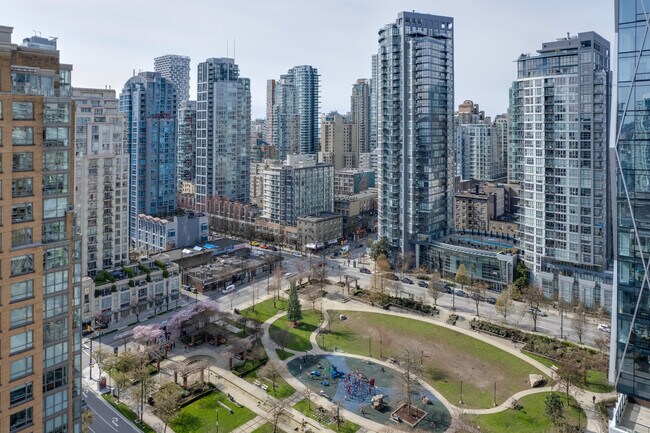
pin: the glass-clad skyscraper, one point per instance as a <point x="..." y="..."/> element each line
<point x="415" y="112"/>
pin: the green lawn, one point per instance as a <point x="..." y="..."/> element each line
<point x="346" y="426"/>
<point x="283" y="354"/>
<point x="201" y="417"/>
<point x="298" y="337"/>
<point x="531" y="418"/>
<point x="127" y="412"/>
<point x="265" y="310"/>
<point x="267" y="428"/>
<point x="596" y="380"/>
<point x="282" y="388"/>
<point x="447" y="356"/>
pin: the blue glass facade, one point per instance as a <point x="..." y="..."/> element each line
<point x="632" y="325"/>
<point x="149" y="104"/>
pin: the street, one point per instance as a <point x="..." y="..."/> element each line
<point x="105" y="418"/>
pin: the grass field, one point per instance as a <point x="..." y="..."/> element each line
<point x="447" y="357"/>
<point x="596" y="380"/>
<point x="201" y="417"/>
<point x="346" y="426"/>
<point x="299" y="336"/>
<point x="530" y="418"/>
<point x="282" y="388"/>
<point x="283" y="354"/>
<point x="265" y="310"/>
<point x="127" y="412"/>
<point x="267" y="428"/>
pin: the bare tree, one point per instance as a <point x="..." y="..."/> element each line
<point x="382" y="266"/>
<point x="87" y="419"/>
<point x="571" y="371"/>
<point x="313" y="297"/>
<point x="309" y="394"/>
<point x="278" y="409"/>
<point x="405" y="262"/>
<point x="396" y="286"/>
<point x="578" y="322"/>
<point x="434" y="288"/>
<point x="282" y="338"/>
<point x="276" y="285"/>
<point x="478" y="289"/>
<point x="380" y="331"/>
<point x="504" y="304"/>
<point x="271" y="371"/>
<point x="409" y="365"/>
<point x="300" y="271"/>
<point x="533" y="298"/>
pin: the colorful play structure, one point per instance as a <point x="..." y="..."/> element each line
<point x="357" y="386"/>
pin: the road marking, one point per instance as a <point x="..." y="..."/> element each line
<point x="115" y="421"/>
<point x="85" y="393"/>
<point x="102" y="418"/>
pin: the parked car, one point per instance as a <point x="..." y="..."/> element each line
<point x="423" y="284"/>
<point x="255" y="243"/>
<point x="449" y="289"/>
<point x="273" y="248"/>
<point x="537" y="311"/>
<point x="605" y="328"/>
<point x="264" y="247"/>
<point x="391" y="277"/>
<point x="297" y="254"/>
<point x="491" y="301"/>
<point x="365" y="271"/>
<point x="407" y="280"/>
<point x="229" y="288"/>
<point x="460" y="293"/>
<point x="476" y="296"/>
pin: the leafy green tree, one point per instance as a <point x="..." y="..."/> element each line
<point x="555" y="409"/>
<point x="294" y="311"/>
<point x="379" y="248"/>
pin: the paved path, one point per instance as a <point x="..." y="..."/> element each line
<point x="583" y="397"/>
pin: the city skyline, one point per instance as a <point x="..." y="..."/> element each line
<point x="110" y="58"/>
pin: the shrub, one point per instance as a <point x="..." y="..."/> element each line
<point x="103" y="277"/>
<point x="165" y="273"/>
<point x="128" y="271"/>
<point x="148" y="278"/>
<point x="160" y="264"/>
<point x="113" y="288"/>
<point x="131" y="283"/>
<point x="143" y="268"/>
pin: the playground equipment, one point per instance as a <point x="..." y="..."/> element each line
<point x="358" y="386"/>
<point x="335" y="373"/>
<point x="377" y="402"/>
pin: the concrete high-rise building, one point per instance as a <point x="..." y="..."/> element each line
<point x="480" y="157"/>
<point x="373" y="104"/>
<point x="360" y="113"/>
<point x="223" y="132"/>
<point x="468" y="113"/>
<point x="338" y="141"/>
<point x="40" y="368"/>
<point x="297" y="188"/>
<point x="177" y="70"/>
<point x="559" y="124"/>
<point x="148" y="102"/>
<point x="186" y="150"/>
<point x="292" y="110"/>
<point x="101" y="180"/>
<point x="415" y="130"/>
<point x="500" y="125"/>
<point x="630" y="309"/>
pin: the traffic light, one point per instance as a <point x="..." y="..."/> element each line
<point x="88" y="328"/>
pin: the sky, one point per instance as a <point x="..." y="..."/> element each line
<point x="107" y="41"/>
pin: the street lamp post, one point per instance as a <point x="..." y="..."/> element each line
<point x="217" y="412"/>
<point x="90" y="375"/>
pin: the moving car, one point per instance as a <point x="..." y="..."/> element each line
<point x="491" y="301"/>
<point x="365" y="271"/>
<point x="449" y="289"/>
<point x="460" y="293"/>
<point x="423" y="284"/>
<point x="391" y="277"/>
<point x="264" y="247"/>
<point x="605" y="328"/>
<point x="297" y="254"/>
<point x="255" y="243"/>
<point x="229" y="288"/>
<point x="537" y="311"/>
<point x="407" y="280"/>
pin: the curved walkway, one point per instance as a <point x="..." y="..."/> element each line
<point x="583" y="397"/>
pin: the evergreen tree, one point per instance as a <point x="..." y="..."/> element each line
<point x="294" y="312"/>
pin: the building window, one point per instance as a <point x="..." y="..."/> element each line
<point x="22" y="187"/>
<point x="22" y="264"/>
<point x="55" y="207"/>
<point x="23" y="161"/>
<point x="55" y="258"/>
<point x="55" y="354"/>
<point x="54" y="231"/>
<point x="22" y="212"/>
<point x="22" y="290"/>
<point x="21" y="393"/>
<point x="55" y="305"/>
<point x="21" y="237"/>
<point x="21" y="342"/>
<point x="22" y="136"/>
<point x="58" y="424"/>
<point x="55" y="379"/>
<point x="56" y="402"/>
<point x="22" y="110"/>
<point x="55" y="160"/>
<point x="54" y="184"/>
<point x="55" y="330"/>
<point x="22" y="316"/>
<point x="0" y="111"/>
<point x="55" y="282"/>
<point x="20" y="420"/>
<point x="56" y="113"/>
<point x="21" y="368"/>
<point x="56" y="137"/>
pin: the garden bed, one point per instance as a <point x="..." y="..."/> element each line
<point x="248" y="366"/>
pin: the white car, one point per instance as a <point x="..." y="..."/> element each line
<point x="297" y="254"/>
<point x="229" y="288"/>
<point x="605" y="328"/>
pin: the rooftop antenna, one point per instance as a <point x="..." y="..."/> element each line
<point x="568" y="35"/>
<point x="234" y="48"/>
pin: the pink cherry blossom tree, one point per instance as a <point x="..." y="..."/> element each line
<point x="146" y="334"/>
<point x="198" y="314"/>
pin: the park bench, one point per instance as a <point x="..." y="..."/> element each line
<point x="265" y="387"/>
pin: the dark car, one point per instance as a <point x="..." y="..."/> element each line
<point x="460" y="293"/>
<point x="449" y="289"/>
<point x="274" y="248"/>
<point x="491" y="301"/>
<point x="477" y="297"/>
<point x="391" y="277"/>
<point x="423" y="284"/>
<point x="365" y="271"/>
<point x="407" y="280"/>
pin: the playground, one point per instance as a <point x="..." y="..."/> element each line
<point x="368" y="389"/>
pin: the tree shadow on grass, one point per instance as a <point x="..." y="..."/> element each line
<point x="186" y="423"/>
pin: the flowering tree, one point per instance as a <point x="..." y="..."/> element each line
<point x="198" y="314"/>
<point x="144" y="334"/>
